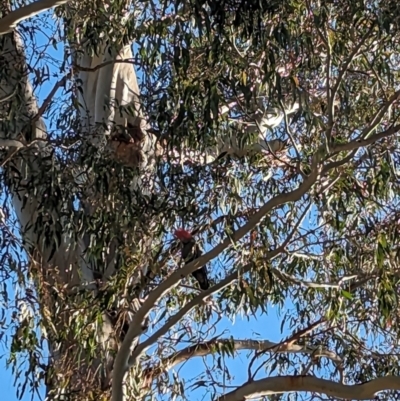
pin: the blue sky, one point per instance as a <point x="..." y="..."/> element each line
<point x="264" y="327"/>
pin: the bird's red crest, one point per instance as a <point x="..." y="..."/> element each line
<point x="182" y="234"/>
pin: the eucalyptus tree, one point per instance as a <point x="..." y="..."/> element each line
<point x="267" y="129"/>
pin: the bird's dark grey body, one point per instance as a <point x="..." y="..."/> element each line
<point x="192" y="251"/>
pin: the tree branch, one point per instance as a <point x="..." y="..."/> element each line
<point x="124" y="361"/>
<point x="288" y="384"/>
<point x="227" y="146"/>
<point x="49" y="97"/>
<point x="378" y="117"/>
<point x="174" y="319"/>
<point x="11" y="20"/>
<point x="186" y="309"/>
<point x="212" y="346"/>
<point x="359" y="143"/>
<point x="121" y="361"/>
<point x="15" y="143"/>
<point x="307" y="284"/>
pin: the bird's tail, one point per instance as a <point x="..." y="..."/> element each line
<point x="201" y="276"/>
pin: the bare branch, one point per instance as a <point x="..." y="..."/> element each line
<point x="306" y="284"/>
<point x="11" y="20"/>
<point x="205" y="294"/>
<point x="338" y="163"/>
<point x="377" y="119"/>
<point x="288" y="384"/>
<point x="202" y="296"/>
<point x="50" y="96"/>
<point x="123" y="361"/>
<point x="186" y="309"/>
<point x="359" y="143"/>
<point x="228" y="146"/>
<point x="353" y="146"/>
<point x="173" y="280"/>
<point x="130" y="60"/>
<point x="212" y="346"/>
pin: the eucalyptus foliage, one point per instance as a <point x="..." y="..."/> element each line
<point x="271" y="130"/>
